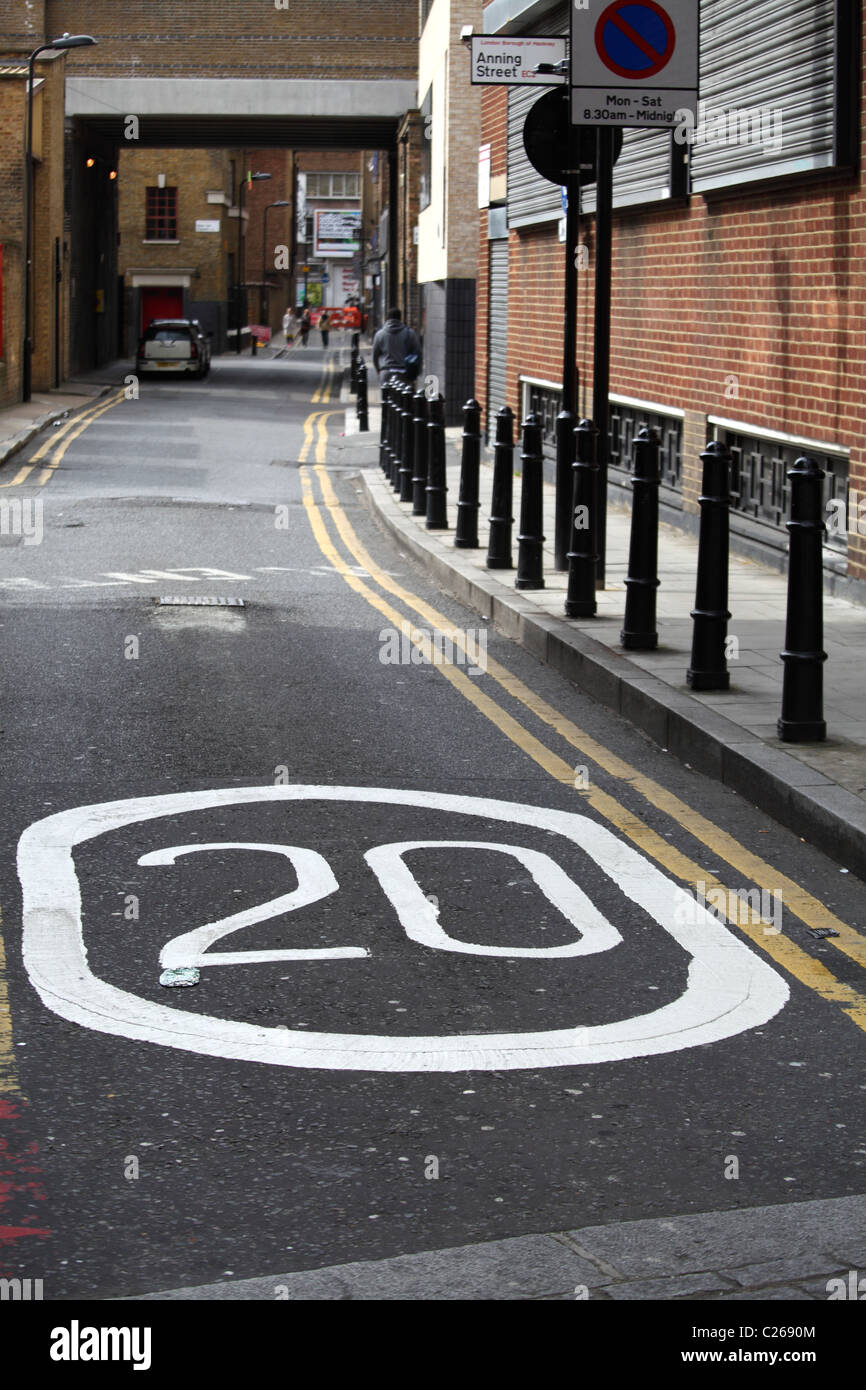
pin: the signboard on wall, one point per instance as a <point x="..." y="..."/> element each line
<point x="511" y="62"/>
<point x="337" y="232"/>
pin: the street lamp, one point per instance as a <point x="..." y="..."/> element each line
<point x="283" y="203"/>
<point x="66" y="41"/>
<point x="240" y="281"/>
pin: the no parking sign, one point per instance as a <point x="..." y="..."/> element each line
<point x="634" y="63"/>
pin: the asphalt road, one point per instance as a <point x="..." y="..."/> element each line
<point x="513" y="1026"/>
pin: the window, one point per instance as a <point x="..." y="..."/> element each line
<point x="160" y="221"/>
<point x="426" y="178"/>
<point x="333" y="185"/>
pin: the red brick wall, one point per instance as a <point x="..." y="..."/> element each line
<point x="751" y="307"/>
<point x="238" y="38"/>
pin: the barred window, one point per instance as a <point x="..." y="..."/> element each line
<point x="160" y="217"/>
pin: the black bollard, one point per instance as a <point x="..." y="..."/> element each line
<point x="437" y="486"/>
<point x="580" y="601"/>
<point x="501" y="520"/>
<point x="639" y="627"/>
<point x="709" y="665"/>
<point x="802" y="718"/>
<point x="384" y="457"/>
<point x="419" y="454"/>
<point x="355" y="363"/>
<point x="466" y="533"/>
<point x="396" y="432"/>
<point x="530" y="538"/>
<point x="562" y="529"/>
<point x="363" y="410"/>
<point x="407" y="445"/>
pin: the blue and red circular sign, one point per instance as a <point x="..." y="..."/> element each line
<point x="635" y="38"/>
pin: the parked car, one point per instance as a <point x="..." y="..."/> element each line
<point x="174" y="345"/>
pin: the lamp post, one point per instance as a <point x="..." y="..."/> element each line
<point x="240" y="274"/>
<point x="66" y="41"/>
<point x="283" y="203"/>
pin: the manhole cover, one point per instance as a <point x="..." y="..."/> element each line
<point x="198" y="601"/>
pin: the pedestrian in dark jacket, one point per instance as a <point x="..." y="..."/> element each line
<point x="324" y="326"/>
<point x="306" y="325"/>
<point x="396" y="350"/>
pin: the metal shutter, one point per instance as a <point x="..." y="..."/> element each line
<point x="642" y="174"/>
<point x="531" y="198"/>
<point x="772" y="54"/>
<point x="498" y="331"/>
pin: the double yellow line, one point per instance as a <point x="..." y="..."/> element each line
<point x="322" y="393"/>
<point x="723" y="846"/>
<point x="316" y="425"/>
<point x="56" y="444"/>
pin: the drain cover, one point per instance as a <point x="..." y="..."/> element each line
<point x="199" y="601"/>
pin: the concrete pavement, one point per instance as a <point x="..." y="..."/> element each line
<point x="795" y="1251"/>
<point x="818" y="790"/>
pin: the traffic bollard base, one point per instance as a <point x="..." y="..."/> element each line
<point x="801" y="731"/>
<point x="498" y="564"/>
<point x="639" y="641"/>
<point x="708" y="680"/>
<point x="580" y="608"/>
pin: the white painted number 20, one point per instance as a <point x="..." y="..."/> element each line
<point x="728" y="987"/>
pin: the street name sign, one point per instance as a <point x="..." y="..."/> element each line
<point x="634" y="63"/>
<point x="501" y="61"/>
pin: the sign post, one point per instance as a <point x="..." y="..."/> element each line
<point x="634" y="65"/>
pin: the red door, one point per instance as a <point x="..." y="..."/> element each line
<point x="161" y="302"/>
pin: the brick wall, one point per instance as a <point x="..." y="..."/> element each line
<point x="47" y="226"/>
<point x="238" y="38"/>
<point x="749" y="306"/>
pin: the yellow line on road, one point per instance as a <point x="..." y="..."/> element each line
<point x="796" y="898"/>
<point x="785" y="952"/>
<point x="47" y="445"/>
<point x="48" y="469"/>
<point x="308" y="436"/>
<point x="8" y="1070"/>
<point x="322" y="393"/>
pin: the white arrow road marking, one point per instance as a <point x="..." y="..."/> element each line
<point x="729" y="987"/>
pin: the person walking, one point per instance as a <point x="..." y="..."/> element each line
<point x="324" y="326"/>
<point x="396" y="350"/>
<point x="306" y="325"/>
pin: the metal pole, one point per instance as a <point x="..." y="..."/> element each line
<point x="437" y="517"/>
<point x="238" y="288"/>
<point x="466" y="533"/>
<point x="407" y="445"/>
<point x="639" y="626"/>
<point x="27" y="357"/>
<point x="384" y="461"/>
<point x="802" y="718"/>
<point x="580" y="599"/>
<point x="363" y="413"/>
<point x="601" y="352"/>
<point x="530" y="540"/>
<point x="419" y="478"/>
<point x="567" y="419"/>
<point x="58" y="276"/>
<point x="501" y="519"/>
<point x="709" y="667"/>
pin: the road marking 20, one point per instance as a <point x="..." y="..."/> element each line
<point x="729" y="987"/>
